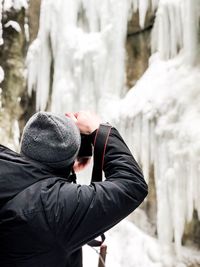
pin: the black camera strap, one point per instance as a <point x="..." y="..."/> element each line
<point x="100" y="143"/>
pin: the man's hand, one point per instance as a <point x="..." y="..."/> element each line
<point x="86" y="121"/>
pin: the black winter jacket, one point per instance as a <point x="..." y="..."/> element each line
<point x="44" y="219"/>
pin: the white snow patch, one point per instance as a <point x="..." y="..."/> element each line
<point x="15" y="4"/>
<point x="14" y="24"/>
<point x="1" y="74"/>
<point x="128" y="246"/>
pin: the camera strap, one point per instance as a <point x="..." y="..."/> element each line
<point x="100" y="143"/>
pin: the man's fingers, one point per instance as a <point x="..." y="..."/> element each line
<point x="86" y="121"/>
<point x="76" y="114"/>
<point x="71" y="116"/>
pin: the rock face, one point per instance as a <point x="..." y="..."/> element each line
<point x="16" y="105"/>
<point x="12" y="56"/>
<point x="138" y="47"/>
<point x="33" y="18"/>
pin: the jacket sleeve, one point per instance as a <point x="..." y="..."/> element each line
<point x="80" y="213"/>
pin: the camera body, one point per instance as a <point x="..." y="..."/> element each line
<point x="86" y="148"/>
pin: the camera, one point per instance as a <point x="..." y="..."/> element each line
<point x="86" y="149"/>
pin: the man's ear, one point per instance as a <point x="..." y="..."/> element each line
<point x="81" y="163"/>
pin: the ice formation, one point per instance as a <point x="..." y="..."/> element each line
<point x="137" y="249"/>
<point x="1" y="74"/>
<point x="142" y="6"/>
<point x="177" y="24"/>
<point x="1" y="79"/>
<point x="15" y="4"/>
<point x="160" y="118"/>
<point x="13" y="24"/>
<point x="83" y="43"/>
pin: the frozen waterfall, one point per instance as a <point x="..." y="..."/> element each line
<point x="83" y="44"/>
<point x="78" y="62"/>
<point x="160" y="118"/>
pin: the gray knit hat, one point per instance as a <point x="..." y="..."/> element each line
<point x="51" y="140"/>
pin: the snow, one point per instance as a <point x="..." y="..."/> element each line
<point x="26" y="30"/>
<point x="128" y="246"/>
<point x="14" y="24"/>
<point x="15" y="4"/>
<point x="142" y="249"/>
<point x="1" y="79"/>
<point x="5" y="6"/>
<point x="1" y="74"/>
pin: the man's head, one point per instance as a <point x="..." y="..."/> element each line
<point x="51" y="140"/>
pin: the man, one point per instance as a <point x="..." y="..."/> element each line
<point x="44" y="218"/>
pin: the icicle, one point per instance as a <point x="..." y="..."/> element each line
<point x="154" y="4"/>
<point x="1" y="79"/>
<point x="170" y="142"/>
<point x="26" y="29"/>
<point x="143" y="8"/>
<point x="191" y="39"/>
<point x="135" y="5"/>
<point x="145" y="147"/>
<point x="167" y="37"/>
<point x="87" y="51"/>
<point x="1" y="74"/>
<point x="39" y="60"/>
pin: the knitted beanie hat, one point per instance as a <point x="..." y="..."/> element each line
<point x="51" y="140"/>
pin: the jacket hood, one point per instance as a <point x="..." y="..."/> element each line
<point x="18" y="172"/>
